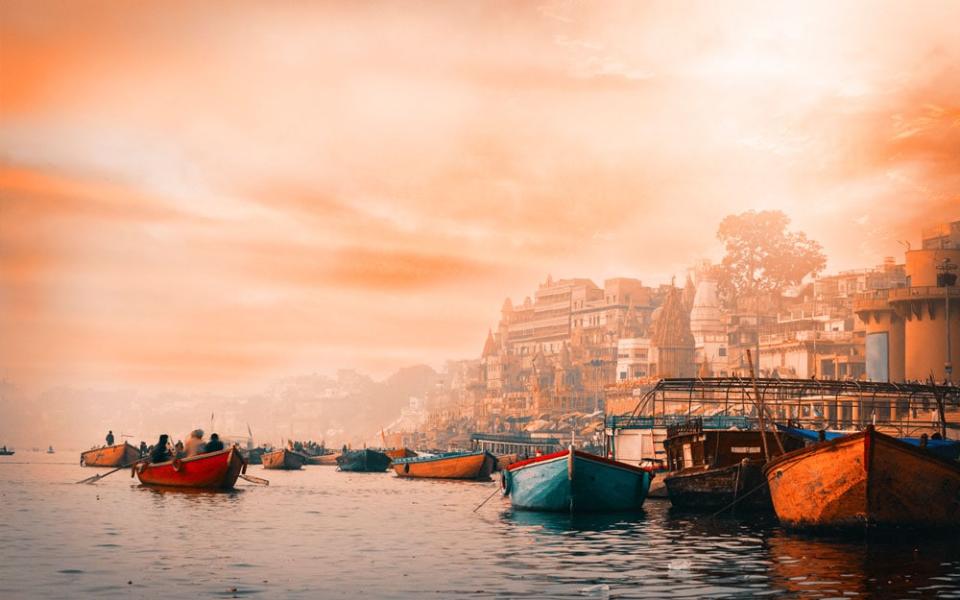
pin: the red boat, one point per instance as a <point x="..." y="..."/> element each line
<point x="213" y="471"/>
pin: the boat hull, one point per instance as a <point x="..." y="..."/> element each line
<point x="363" y="461"/>
<point x="394" y="453"/>
<point x="464" y="465"/>
<point x="283" y="460"/>
<point x="118" y="455"/>
<point x="326" y="460"/>
<point x="867" y="478"/>
<point x="576" y="482"/>
<point x="742" y="486"/>
<point x="214" y="471"/>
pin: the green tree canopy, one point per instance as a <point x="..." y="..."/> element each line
<point x="762" y="256"/>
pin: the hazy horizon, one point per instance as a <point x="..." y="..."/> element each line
<point x="210" y="200"/>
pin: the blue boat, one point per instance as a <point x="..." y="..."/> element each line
<point x="949" y="449"/>
<point x="574" y="481"/>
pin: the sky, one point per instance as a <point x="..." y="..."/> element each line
<point x="209" y="195"/>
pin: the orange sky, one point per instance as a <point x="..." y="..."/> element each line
<point x="210" y="196"/>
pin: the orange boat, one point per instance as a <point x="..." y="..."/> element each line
<point x="119" y="455"/>
<point x="284" y="459"/>
<point x="452" y="465"/>
<point x="327" y="460"/>
<point x="214" y="471"/>
<point x="866" y="478"/>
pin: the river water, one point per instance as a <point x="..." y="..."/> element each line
<point x="318" y="533"/>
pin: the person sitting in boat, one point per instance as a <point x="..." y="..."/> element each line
<point x="178" y="448"/>
<point x="194" y="445"/>
<point x="110" y="438"/>
<point x="143" y="449"/>
<point x="214" y="444"/>
<point x="161" y="453"/>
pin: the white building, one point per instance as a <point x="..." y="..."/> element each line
<point x="706" y="324"/>
<point x="635" y="358"/>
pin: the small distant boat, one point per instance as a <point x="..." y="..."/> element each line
<point x="284" y="459"/>
<point x="118" y="455"/>
<point x="866" y="478"/>
<point x="366" y="460"/>
<point x="253" y="456"/>
<point x="216" y="470"/>
<point x="50" y="450"/>
<point x="5" y="452"/>
<point x="450" y="465"/>
<point x="325" y="460"/>
<point x="574" y="481"/>
<point x="395" y="453"/>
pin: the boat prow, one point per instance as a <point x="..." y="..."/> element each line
<point x="867" y="478"/>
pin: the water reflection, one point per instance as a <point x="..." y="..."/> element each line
<point x="319" y="533"/>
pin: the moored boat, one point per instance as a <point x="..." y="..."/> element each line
<point x="283" y="459"/>
<point x="366" y="460"/>
<point x="867" y="478"/>
<point x="326" y="460"/>
<point x="574" y="481"/>
<point x="450" y="465"/>
<point x="5" y="452"/>
<point x="949" y="449"/>
<point x="216" y="470"/>
<point x="118" y="455"/>
<point x="714" y="469"/>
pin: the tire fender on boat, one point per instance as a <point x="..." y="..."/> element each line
<point x="505" y="482"/>
<point x="177" y="464"/>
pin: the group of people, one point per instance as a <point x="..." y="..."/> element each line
<point x="195" y="445"/>
<point x="310" y="448"/>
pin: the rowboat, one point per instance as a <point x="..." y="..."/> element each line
<point x="118" y="455"/>
<point x="365" y="460"/>
<point x="216" y="470"/>
<point x="867" y="478"/>
<point x="450" y="465"/>
<point x="5" y="452"/>
<point x="326" y="460"/>
<point x="574" y="481"/>
<point x="395" y="453"/>
<point x="284" y="459"/>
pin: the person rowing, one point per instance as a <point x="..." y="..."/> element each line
<point x="214" y="445"/>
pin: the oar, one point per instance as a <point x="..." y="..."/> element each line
<point x="96" y="478"/>
<point x="256" y="480"/>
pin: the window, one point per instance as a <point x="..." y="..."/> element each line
<point x="721" y="351"/>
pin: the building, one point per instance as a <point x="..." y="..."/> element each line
<point x="709" y="333"/>
<point x="907" y="329"/>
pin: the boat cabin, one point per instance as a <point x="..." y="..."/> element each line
<point x="689" y="445"/>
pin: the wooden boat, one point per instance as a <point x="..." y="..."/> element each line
<point x="326" y="460"/>
<point x="574" y="481"/>
<point x="254" y="456"/>
<point x="450" y="465"/>
<point x="505" y="460"/>
<point x="711" y="469"/>
<point x="50" y="450"/>
<point x="867" y="478"/>
<point x="284" y="459"/>
<point x="949" y="449"/>
<point x="118" y="455"/>
<point x="216" y="470"/>
<point x="5" y="452"/>
<point x="366" y="460"/>
<point x="394" y="453"/>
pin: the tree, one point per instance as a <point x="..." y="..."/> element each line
<point x="762" y="257"/>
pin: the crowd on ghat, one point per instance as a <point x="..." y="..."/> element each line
<point x="165" y="450"/>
